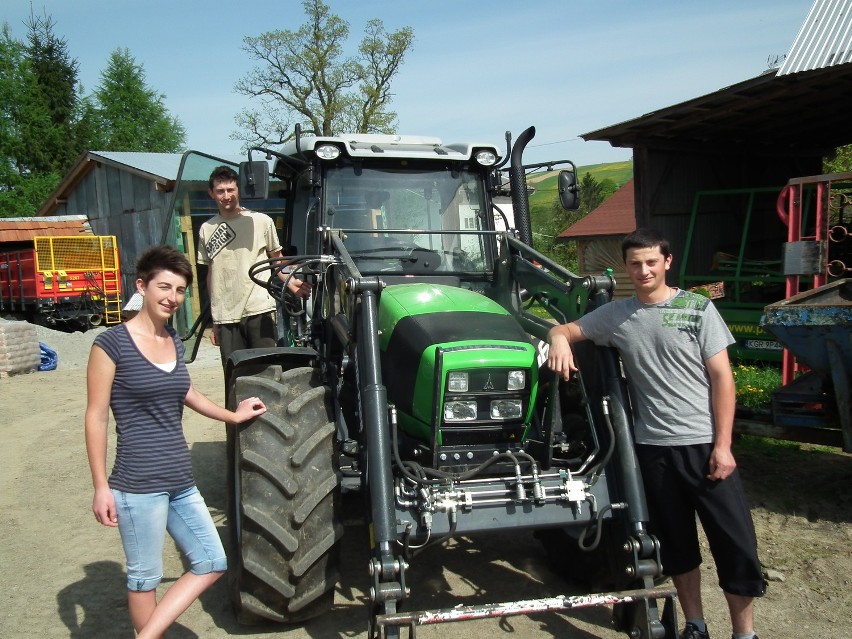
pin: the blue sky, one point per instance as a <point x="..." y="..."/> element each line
<point x="477" y="68"/>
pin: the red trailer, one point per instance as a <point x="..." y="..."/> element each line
<point x="67" y="282"/>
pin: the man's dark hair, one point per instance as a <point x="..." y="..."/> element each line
<point x="163" y="258"/>
<point x="645" y="238"/>
<point x="223" y="174"/>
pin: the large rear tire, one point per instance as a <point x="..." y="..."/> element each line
<point x="283" y="494"/>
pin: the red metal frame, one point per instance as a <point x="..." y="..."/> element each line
<point x="790" y="210"/>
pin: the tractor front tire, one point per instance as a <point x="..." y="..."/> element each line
<point x="283" y="495"/>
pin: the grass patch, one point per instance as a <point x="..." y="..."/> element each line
<point x="766" y="448"/>
<point x="782" y="449"/>
<point x="755" y="384"/>
<point x="618" y="172"/>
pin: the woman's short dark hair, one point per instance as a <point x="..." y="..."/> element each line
<point x="163" y="258"/>
<point x="645" y="238"/>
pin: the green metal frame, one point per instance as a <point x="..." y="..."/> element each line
<point x="743" y="317"/>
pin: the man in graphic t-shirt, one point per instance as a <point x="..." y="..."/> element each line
<point x="229" y="243"/>
<point x="673" y="346"/>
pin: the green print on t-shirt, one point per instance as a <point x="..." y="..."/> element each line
<point x="689" y="300"/>
<point x="676" y="318"/>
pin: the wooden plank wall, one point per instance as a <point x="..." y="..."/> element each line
<point x="126" y="205"/>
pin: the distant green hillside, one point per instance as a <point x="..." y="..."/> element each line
<point x="549" y="219"/>
<point x="618" y="172"/>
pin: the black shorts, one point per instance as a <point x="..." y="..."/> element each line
<point x="677" y="490"/>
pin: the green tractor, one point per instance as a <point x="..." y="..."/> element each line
<point x="414" y="374"/>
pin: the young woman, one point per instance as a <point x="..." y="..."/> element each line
<point x="137" y="370"/>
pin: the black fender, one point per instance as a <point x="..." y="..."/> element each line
<point x="251" y="360"/>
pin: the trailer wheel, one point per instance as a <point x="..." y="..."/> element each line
<point x="283" y="496"/>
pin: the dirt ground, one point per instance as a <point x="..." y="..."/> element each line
<point x="62" y="572"/>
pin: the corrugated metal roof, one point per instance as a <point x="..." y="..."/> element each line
<point x="24" y="229"/>
<point x="161" y="168"/>
<point x="616" y="216"/>
<point x="134" y="303"/>
<point x="799" y="114"/>
<point x="164" y="165"/>
<point x="824" y="40"/>
<point x="796" y="111"/>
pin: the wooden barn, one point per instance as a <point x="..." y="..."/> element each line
<point x="144" y="199"/>
<point x="709" y="174"/>
<point x="733" y="179"/>
<point x="739" y="146"/>
<point x="599" y="234"/>
<point x="121" y="194"/>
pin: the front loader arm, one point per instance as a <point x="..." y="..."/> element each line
<point x="527" y="278"/>
<point x="358" y="304"/>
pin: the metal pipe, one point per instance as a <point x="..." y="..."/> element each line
<point x="628" y="465"/>
<point x="518" y="185"/>
<point x="523" y="607"/>
<point x="375" y="414"/>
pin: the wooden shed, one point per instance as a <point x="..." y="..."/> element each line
<point x="599" y="234"/>
<point x="144" y="199"/>
<point x="121" y="194"/>
<point x="753" y="137"/>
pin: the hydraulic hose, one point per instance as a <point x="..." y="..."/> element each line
<point x="598" y="526"/>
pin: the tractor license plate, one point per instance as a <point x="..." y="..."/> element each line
<point x="763" y="345"/>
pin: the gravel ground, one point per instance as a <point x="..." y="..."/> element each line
<point x="72" y="349"/>
<point x="800" y="498"/>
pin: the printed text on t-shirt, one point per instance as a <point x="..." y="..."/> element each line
<point x="222" y="236"/>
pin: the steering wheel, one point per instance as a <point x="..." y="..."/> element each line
<point x="276" y="287"/>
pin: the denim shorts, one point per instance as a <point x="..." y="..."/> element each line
<point x="144" y="518"/>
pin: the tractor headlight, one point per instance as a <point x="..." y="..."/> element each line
<point x="460" y="411"/>
<point x="486" y="158"/>
<point x="327" y="152"/>
<point x="506" y="409"/>
<point x="517" y="380"/>
<point x="457" y="382"/>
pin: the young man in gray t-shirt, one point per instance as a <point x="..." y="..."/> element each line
<point x="673" y="345"/>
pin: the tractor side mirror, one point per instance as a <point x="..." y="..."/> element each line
<point x="254" y="180"/>
<point x="569" y="190"/>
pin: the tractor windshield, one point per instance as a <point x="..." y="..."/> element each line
<point x="409" y="220"/>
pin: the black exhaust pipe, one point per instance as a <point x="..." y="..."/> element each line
<point x="518" y="186"/>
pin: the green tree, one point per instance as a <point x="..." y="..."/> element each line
<point x="303" y="77"/>
<point x="22" y="195"/>
<point x="546" y="234"/>
<point x="22" y="189"/>
<point x="840" y="162"/>
<point x="593" y="193"/>
<point x="130" y="115"/>
<point x="53" y="144"/>
<point x="46" y="123"/>
<point x="556" y="219"/>
<point x="43" y="121"/>
<point x="14" y="77"/>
